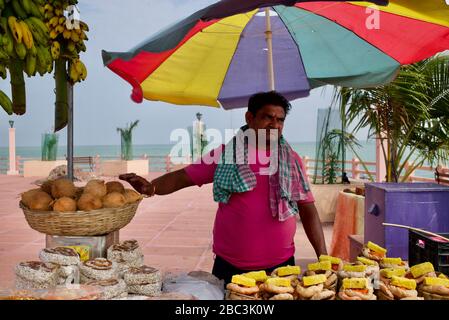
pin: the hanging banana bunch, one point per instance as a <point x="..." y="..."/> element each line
<point x="23" y="36"/>
<point x="67" y="38"/>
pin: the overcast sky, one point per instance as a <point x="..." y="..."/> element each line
<point x="102" y="102"/>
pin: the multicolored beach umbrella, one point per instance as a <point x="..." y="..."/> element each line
<point x="224" y="53"/>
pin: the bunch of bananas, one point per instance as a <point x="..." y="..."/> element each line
<point x="67" y="37"/>
<point x="25" y="36"/>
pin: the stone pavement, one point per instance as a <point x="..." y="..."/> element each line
<point x="175" y="231"/>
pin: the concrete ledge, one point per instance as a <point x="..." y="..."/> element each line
<point x="36" y="168"/>
<point x="117" y="167"/>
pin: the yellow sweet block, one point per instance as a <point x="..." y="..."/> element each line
<point x="406" y="283"/>
<point x="421" y="269"/>
<point x="390" y="272"/>
<point x="366" y="261"/>
<point x="395" y="261"/>
<point x="280" y="282"/>
<point x="355" y="283"/>
<point x="324" y="265"/>
<point x="288" y="270"/>
<point x="376" y="248"/>
<point x="354" y="268"/>
<point x="314" y="280"/>
<point x="333" y="260"/>
<point x="244" y="281"/>
<point x="428" y="281"/>
<point x="443" y="276"/>
<point x="259" y="276"/>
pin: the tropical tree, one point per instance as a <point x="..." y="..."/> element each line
<point x="410" y="115"/>
<point x="126" y="140"/>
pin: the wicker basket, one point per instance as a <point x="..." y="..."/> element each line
<point x="80" y="223"/>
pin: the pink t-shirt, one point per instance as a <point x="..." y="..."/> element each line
<point x="245" y="233"/>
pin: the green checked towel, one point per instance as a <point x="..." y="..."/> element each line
<point x="287" y="181"/>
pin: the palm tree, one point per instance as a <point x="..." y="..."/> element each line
<point x="411" y="115"/>
<point x="126" y="139"/>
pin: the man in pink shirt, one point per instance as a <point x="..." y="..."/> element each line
<point x="255" y="223"/>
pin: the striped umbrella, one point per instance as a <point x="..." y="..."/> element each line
<point x="221" y="55"/>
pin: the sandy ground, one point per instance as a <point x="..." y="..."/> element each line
<point x="174" y="231"/>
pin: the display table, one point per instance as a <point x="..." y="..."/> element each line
<point x="349" y="220"/>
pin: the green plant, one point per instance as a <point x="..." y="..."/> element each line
<point x="410" y="115"/>
<point x="49" y="146"/>
<point x="126" y="140"/>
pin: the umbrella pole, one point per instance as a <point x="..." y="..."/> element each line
<point x="70" y="134"/>
<point x="269" y="37"/>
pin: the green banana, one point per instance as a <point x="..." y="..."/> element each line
<point x="20" y="12"/>
<point x="37" y="33"/>
<point x="3" y="24"/>
<point x="47" y="55"/>
<point x="41" y="25"/>
<point x="21" y="50"/>
<point x="33" y="51"/>
<point x="3" y="72"/>
<point x="40" y="2"/>
<point x="30" y="65"/>
<point x="4" y="56"/>
<point x="41" y="60"/>
<point x="26" y="5"/>
<point x="8" y="43"/>
<point x="42" y="70"/>
<point x="35" y="10"/>
<point x="2" y="4"/>
<point x="5" y="102"/>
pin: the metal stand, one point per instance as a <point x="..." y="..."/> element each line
<point x="70" y="133"/>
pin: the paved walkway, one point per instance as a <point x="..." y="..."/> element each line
<point x="174" y="231"/>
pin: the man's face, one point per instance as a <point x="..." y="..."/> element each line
<point x="270" y="117"/>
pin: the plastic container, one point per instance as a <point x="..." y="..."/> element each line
<point x="425" y="248"/>
<point x="419" y="205"/>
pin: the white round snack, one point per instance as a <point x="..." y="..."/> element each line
<point x="111" y="288"/>
<point x="125" y="251"/>
<point x="60" y="255"/>
<point x="142" y="275"/>
<point x="149" y="290"/>
<point x="37" y="272"/>
<point x="98" y="269"/>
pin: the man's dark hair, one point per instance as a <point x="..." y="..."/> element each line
<point x="261" y="99"/>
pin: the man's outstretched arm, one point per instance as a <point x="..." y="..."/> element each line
<point x="312" y="226"/>
<point x="166" y="184"/>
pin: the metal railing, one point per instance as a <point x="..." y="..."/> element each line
<point x="356" y="171"/>
<point x="162" y="163"/>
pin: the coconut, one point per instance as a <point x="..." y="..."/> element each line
<point x="40" y="201"/>
<point x="114" y="200"/>
<point x="63" y="188"/>
<point x="64" y="204"/>
<point x="29" y="195"/>
<point x="132" y="196"/>
<point x="88" y="202"/>
<point x="46" y="186"/>
<point x="115" y="186"/>
<point x="96" y="188"/>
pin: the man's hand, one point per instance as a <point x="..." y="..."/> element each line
<point x="140" y="184"/>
